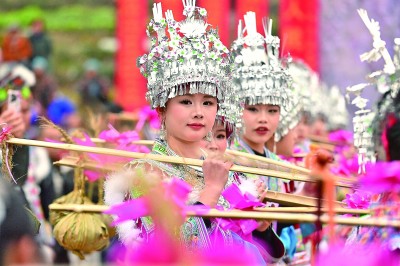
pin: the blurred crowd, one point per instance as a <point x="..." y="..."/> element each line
<point x="26" y="66"/>
<point x="33" y="48"/>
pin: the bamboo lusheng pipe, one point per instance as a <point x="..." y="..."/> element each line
<point x="295" y="200"/>
<point x="325" y="146"/>
<point x="137" y="142"/>
<point x="232" y="152"/>
<point x="325" y="140"/>
<point x="278" y="197"/>
<point x="283" y="198"/>
<point x="90" y="165"/>
<point x="101" y="208"/>
<point x="338" y="210"/>
<point x="302" y="170"/>
<point x="299" y="155"/>
<point x="268" y="160"/>
<point x="165" y="159"/>
<point x="125" y="116"/>
<point x="287" y="165"/>
<point x="237" y="214"/>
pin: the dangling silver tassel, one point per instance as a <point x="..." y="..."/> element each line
<point x="163" y="133"/>
<point x="208" y="137"/>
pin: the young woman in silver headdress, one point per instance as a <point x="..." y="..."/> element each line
<point x="261" y="83"/>
<point x="285" y="137"/>
<point x="188" y="77"/>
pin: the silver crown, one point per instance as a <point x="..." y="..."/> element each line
<point x="289" y="118"/>
<point x="260" y="75"/>
<point x="184" y="53"/>
<point x="229" y="113"/>
<point x="304" y="79"/>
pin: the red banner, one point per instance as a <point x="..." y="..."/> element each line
<point x="298" y="30"/>
<point x="218" y="12"/>
<point x="132" y="43"/>
<point x="261" y="7"/>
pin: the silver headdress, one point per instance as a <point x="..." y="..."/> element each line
<point x="367" y="124"/>
<point x="388" y="83"/>
<point x="313" y="97"/>
<point x="185" y="52"/>
<point x="330" y="103"/>
<point x="289" y="118"/>
<point x="361" y="121"/>
<point x="229" y="114"/>
<point x="338" y="115"/>
<point x="260" y="76"/>
<point x="304" y="81"/>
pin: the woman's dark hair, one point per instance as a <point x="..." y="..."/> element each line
<point x="386" y="126"/>
<point x="393" y="138"/>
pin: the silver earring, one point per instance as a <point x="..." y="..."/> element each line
<point x="163" y="133"/>
<point x="208" y="137"/>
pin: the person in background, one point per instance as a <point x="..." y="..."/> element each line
<point x="14" y="120"/>
<point x="285" y="136"/>
<point x="16" y="48"/>
<point x="44" y="91"/>
<point x="31" y="164"/>
<point x="303" y="131"/>
<point x="319" y="126"/>
<point x="62" y="112"/>
<point x="219" y="140"/>
<point x="16" y="77"/>
<point x="94" y="88"/>
<point x="40" y="42"/>
<point x="38" y="185"/>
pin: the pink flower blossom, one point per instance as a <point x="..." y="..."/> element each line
<point x="146" y="114"/>
<point x="358" y="200"/>
<point x="176" y="191"/>
<point x="349" y="255"/>
<point x="113" y="136"/>
<point x="163" y="248"/>
<point x="100" y="159"/>
<point x="341" y="136"/>
<point x="381" y="177"/>
<point x="237" y="200"/>
<point x="5" y="131"/>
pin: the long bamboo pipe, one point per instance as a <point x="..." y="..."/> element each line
<point x="295" y="168"/>
<point x="166" y="159"/>
<point x="238" y="214"/>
